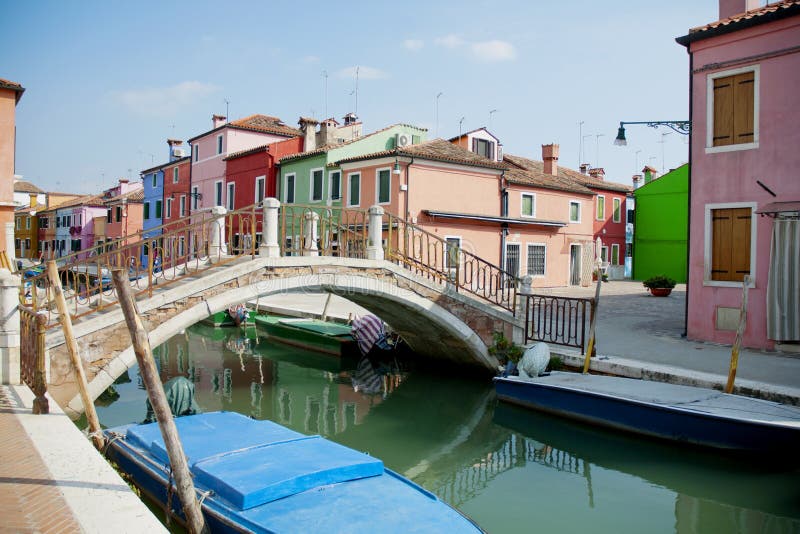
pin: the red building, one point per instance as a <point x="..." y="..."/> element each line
<point x="250" y="177"/>
<point x="177" y="205"/>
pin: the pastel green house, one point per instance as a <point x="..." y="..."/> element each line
<point x="661" y="224"/>
<point x="311" y="177"/>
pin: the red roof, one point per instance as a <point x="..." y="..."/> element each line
<point x="768" y="13"/>
<point x="14" y="86"/>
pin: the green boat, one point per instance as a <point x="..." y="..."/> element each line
<point x="311" y="334"/>
<point x="223" y="318"/>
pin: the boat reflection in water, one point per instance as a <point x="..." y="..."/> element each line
<point x="510" y="470"/>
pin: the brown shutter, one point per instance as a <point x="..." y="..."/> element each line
<point x="743" y="102"/>
<point x="723" y="111"/>
<point x="730" y="244"/>
<point x="740" y="252"/>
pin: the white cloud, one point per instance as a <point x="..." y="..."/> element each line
<point x="494" y="51"/>
<point x="413" y="44"/>
<point x="449" y="41"/>
<point x="164" y="100"/>
<point x="364" y="73"/>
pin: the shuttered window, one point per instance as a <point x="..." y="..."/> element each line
<point x="730" y="243"/>
<point x="734" y="105"/>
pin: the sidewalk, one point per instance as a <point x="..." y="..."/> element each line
<point x="53" y="480"/>
<point x="638" y="335"/>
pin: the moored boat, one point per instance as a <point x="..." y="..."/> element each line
<point x="683" y="414"/>
<point x="259" y="476"/>
<point x="311" y="334"/>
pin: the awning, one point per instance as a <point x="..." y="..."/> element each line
<point x="773" y="209"/>
<point x="490" y="218"/>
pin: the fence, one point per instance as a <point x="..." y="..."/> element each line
<point x="558" y="320"/>
<point x="32" y="356"/>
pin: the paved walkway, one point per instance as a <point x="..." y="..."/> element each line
<point x="53" y="480"/>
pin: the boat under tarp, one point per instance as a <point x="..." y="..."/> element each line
<point x="311" y="334"/>
<point x="685" y="414"/>
<point x="258" y="476"/>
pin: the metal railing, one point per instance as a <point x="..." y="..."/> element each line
<point x="32" y="356"/>
<point x="432" y="257"/>
<point x="558" y="320"/>
<point x="324" y="231"/>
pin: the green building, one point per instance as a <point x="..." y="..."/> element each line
<point x="661" y="225"/>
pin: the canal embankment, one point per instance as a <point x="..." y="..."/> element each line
<point x="53" y="480"/>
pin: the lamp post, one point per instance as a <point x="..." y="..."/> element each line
<point x="681" y="127"/>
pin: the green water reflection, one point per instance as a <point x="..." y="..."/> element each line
<point x="509" y="469"/>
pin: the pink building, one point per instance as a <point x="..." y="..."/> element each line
<point x="208" y="187"/>
<point x="744" y="194"/>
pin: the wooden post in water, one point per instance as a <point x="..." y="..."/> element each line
<point x="595" y="307"/>
<point x="158" y="400"/>
<point x="739" y="333"/>
<point x="324" y="316"/>
<point x="72" y="348"/>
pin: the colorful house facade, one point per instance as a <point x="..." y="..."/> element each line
<point x="177" y="194"/>
<point x="744" y="195"/>
<point x="74" y="226"/>
<point x="661" y="221"/>
<point x="10" y="94"/>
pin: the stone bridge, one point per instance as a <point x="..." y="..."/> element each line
<point x="435" y="319"/>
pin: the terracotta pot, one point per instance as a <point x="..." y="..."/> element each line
<point x="660" y="291"/>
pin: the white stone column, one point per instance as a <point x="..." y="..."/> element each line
<point x="270" y="248"/>
<point x="310" y="234"/>
<point x="217" y="247"/>
<point x="375" y="234"/>
<point x="9" y="327"/>
<point x="10" y="250"/>
<point x="525" y="288"/>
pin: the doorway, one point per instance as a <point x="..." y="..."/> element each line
<point x="575" y="265"/>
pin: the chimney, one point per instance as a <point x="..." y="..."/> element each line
<point x="327" y="131"/>
<point x="218" y="120"/>
<point x="308" y="127"/>
<point x="729" y="8"/>
<point x="33" y="200"/>
<point x="650" y="174"/>
<point x="175" y="152"/>
<point x="350" y="118"/>
<point x="584" y="168"/>
<point x="597" y="173"/>
<point x="637" y="181"/>
<point x="550" y="158"/>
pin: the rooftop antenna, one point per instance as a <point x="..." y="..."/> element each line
<point x="637" y="160"/>
<point x="490" y="117"/>
<point x="459" y="125"/>
<point x="597" y="149"/>
<point x="436" y="106"/>
<point x="356" y="111"/>
<point x="663" y="140"/>
<point x="583" y="149"/>
<point x="580" y="144"/>
<point x="227" y="104"/>
<point x="325" y="84"/>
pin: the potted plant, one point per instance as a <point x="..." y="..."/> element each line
<point x="659" y="286"/>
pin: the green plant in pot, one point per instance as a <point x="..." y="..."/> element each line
<point x="659" y="286"/>
<point x="507" y="352"/>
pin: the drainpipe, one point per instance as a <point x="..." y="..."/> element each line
<point x="689" y="195"/>
<point x="408" y="187"/>
<point x="503" y="213"/>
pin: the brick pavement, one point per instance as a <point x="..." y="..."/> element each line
<point x="29" y="498"/>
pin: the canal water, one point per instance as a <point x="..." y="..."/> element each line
<point x="511" y="470"/>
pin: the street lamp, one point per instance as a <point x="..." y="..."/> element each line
<point x="681" y="127"/>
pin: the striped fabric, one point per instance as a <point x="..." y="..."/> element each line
<point x="367" y="330"/>
<point x="783" y="286"/>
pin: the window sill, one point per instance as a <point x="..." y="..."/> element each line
<point x="723" y="283"/>
<point x="731" y="148"/>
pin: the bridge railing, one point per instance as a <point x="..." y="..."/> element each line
<point x="307" y="230"/>
<point x="32" y="356"/>
<point x="557" y="320"/>
<point x="429" y="255"/>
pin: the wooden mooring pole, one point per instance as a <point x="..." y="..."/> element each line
<point x="595" y="307"/>
<point x="72" y="348"/>
<point x="738" y="340"/>
<point x="158" y="400"/>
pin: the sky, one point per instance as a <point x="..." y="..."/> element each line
<point x="108" y="82"/>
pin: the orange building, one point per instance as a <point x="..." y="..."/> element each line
<point x="10" y="93"/>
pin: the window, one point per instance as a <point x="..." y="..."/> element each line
<point x="17" y="225"/>
<point x="453" y="251"/>
<point x="76" y="245"/>
<point x="195" y="197"/>
<point x="316" y="185"/>
<point x="528" y="206"/>
<point x="80" y="219"/>
<point x="146" y="210"/>
<point x="231" y="195"/>
<point x="615" y="254"/>
<point x="335" y="178"/>
<point x="729" y="237"/>
<point x="44" y="222"/>
<point x="261" y="182"/>
<point x="119" y="213"/>
<point x="108" y="215"/>
<point x="601" y="208"/>
<point x="158" y="209"/>
<point x="415" y="139"/>
<point x="219" y="144"/>
<point x="604" y="254"/>
<point x="383" y="186"/>
<point x="182" y="206"/>
<point x="733" y="108"/>
<point x="196" y="152"/>
<point x="27" y="223"/>
<point x="169" y="207"/>
<point x="512" y="259"/>
<point x="354" y="189"/>
<point x="27" y="243"/>
<point x="574" y="211"/>
<point x="288" y="195"/>
<point x="616" y="203"/>
<point x="155" y="180"/>
<point x="536" y="259"/>
<point x="218" y="193"/>
<point x="175" y="178"/>
<point x="483" y="147"/>
<point x="17" y="242"/>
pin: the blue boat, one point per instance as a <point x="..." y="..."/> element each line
<point x="258" y="476"/>
<point x="683" y="414"/>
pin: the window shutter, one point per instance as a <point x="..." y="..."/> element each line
<point x="743" y="101"/>
<point x="474" y="145"/>
<point x="730" y="241"/>
<point x="723" y="111"/>
<point x="740" y="253"/>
